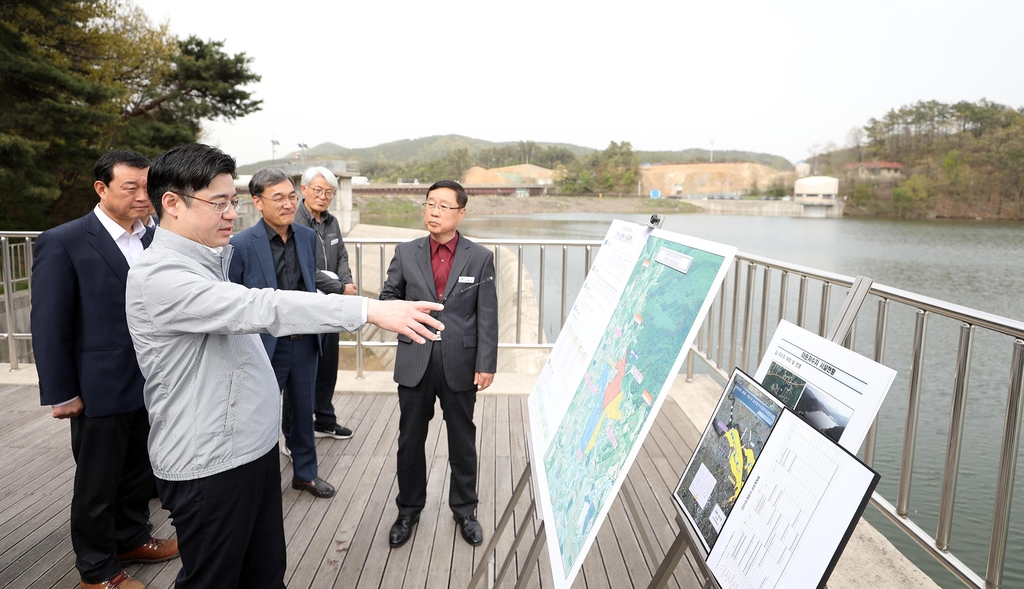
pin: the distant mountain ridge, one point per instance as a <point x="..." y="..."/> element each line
<point x="438" y="146"/>
<point x="405" y="150"/>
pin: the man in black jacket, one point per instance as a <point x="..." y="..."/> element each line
<point x="319" y="186"/>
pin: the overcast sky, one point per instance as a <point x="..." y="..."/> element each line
<point x="774" y="77"/>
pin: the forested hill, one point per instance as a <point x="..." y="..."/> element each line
<point x="688" y="156"/>
<point x="409" y="150"/>
<point x="962" y="160"/>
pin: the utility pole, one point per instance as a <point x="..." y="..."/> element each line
<point x="712" y="151"/>
<point x="273" y="151"/>
<point x="303" y="147"/>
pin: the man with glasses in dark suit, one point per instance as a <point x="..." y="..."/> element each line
<point x="446" y="267"/>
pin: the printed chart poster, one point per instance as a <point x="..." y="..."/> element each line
<point x="580" y="464"/>
<point x="725" y="455"/>
<point x="795" y="514"/>
<point x="836" y="390"/>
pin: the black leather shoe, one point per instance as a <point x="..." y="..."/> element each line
<point x="402" y="529"/>
<point x="317" y="488"/>
<point x="471" y="530"/>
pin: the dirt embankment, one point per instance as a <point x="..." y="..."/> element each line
<point x="708" y="178"/>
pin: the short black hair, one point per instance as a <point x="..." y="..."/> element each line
<point x="265" y="178"/>
<point x="185" y="170"/>
<point x="460" y="193"/>
<point x="104" y="168"/>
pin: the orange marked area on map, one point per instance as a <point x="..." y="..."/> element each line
<point x="611" y="401"/>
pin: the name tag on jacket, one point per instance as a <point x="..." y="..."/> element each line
<point x="465" y="279"/>
<point x="334" y="241"/>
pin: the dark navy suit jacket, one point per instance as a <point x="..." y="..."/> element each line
<point x="252" y="264"/>
<point x="79" y="332"/>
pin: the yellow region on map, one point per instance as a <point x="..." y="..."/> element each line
<point x="741" y="460"/>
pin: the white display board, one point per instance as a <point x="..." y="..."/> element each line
<point x="608" y="373"/>
<point x="835" y="389"/>
<point x="795" y="513"/>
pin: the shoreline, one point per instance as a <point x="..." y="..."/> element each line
<point x="377" y="206"/>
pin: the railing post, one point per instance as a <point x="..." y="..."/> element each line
<point x="12" y="349"/>
<point x="735" y="310"/>
<point x="765" y="295"/>
<point x="955" y="440"/>
<point x="748" y="313"/>
<point x="519" y="298"/>
<point x="783" y="294"/>
<point x="913" y="403"/>
<point x="721" y="326"/>
<point x="383" y="278"/>
<point x="1007" y="471"/>
<point x="826" y="298"/>
<point x="801" y="302"/>
<point x="588" y="252"/>
<point x="565" y="279"/>
<point x="540" y="298"/>
<point x="359" y="332"/>
<point x="880" y="324"/>
<point x="689" y="366"/>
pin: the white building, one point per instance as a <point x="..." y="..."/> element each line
<point x="819" y="187"/>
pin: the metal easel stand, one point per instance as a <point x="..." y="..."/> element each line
<point x="838" y="332"/>
<point x="535" y="549"/>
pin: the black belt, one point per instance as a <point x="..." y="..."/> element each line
<point x="296" y="336"/>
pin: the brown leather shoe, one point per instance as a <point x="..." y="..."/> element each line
<point x="121" y="580"/>
<point x="156" y="550"/>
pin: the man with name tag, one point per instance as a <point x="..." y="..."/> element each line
<point x="333" y="276"/>
<point x="274" y="254"/>
<point x="444" y="266"/>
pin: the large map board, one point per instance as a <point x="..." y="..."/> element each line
<point x="608" y="373"/>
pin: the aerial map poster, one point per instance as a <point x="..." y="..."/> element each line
<point x="725" y="455"/>
<point x="836" y="390"/>
<point x="587" y="425"/>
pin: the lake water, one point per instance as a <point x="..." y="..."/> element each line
<point x="974" y="264"/>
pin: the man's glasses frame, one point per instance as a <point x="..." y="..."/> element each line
<point x="430" y="206"/>
<point x="219" y="207"/>
<point x="318" y="192"/>
<point x="291" y="198"/>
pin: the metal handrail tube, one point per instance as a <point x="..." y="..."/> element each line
<point x="540" y="297"/>
<point x="762" y="332"/>
<point x="953" y="564"/>
<point x="519" y="297"/>
<point x="826" y="298"/>
<point x="783" y="293"/>
<point x="359" y="332"/>
<point x="748" y="314"/>
<point x="12" y="348"/>
<point x="383" y="279"/>
<point x="881" y="323"/>
<point x="913" y="406"/>
<point x="735" y="310"/>
<point x="721" y="323"/>
<point x="954" y="442"/>
<point x="801" y="302"/>
<point x="1007" y="470"/>
<point x="565" y="279"/>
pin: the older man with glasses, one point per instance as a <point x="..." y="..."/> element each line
<point x="273" y="254"/>
<point x="319" y="186"/>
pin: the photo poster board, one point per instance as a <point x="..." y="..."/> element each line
<point x="834" y="389"/>
<point x="725" y="455"/>
<point x="608" y="373"/>
<point x="796" y="513"/>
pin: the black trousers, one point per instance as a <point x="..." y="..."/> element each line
<point x="113" y="485"/>
<point x="230" y="527"/>
<point x="326" y="378"/>
<point x="417" y="409"/>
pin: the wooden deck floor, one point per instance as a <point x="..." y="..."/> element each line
<point x="342" y="542"/>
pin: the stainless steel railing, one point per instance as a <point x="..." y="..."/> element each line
<point x="740" y="319"/>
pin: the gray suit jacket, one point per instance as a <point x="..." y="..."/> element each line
<point x="469" y="342"/>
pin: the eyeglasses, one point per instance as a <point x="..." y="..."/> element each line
<point x="280" y="200"/>
<point x="317" y="191"/>
<point x="220" y="206"/>
<point x="430" y="206"/>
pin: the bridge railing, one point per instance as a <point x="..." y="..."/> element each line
<point x="757" y="293"/>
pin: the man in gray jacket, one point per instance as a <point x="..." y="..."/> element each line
<point x="319" y="186"/>
<point x="210" y="388"/>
